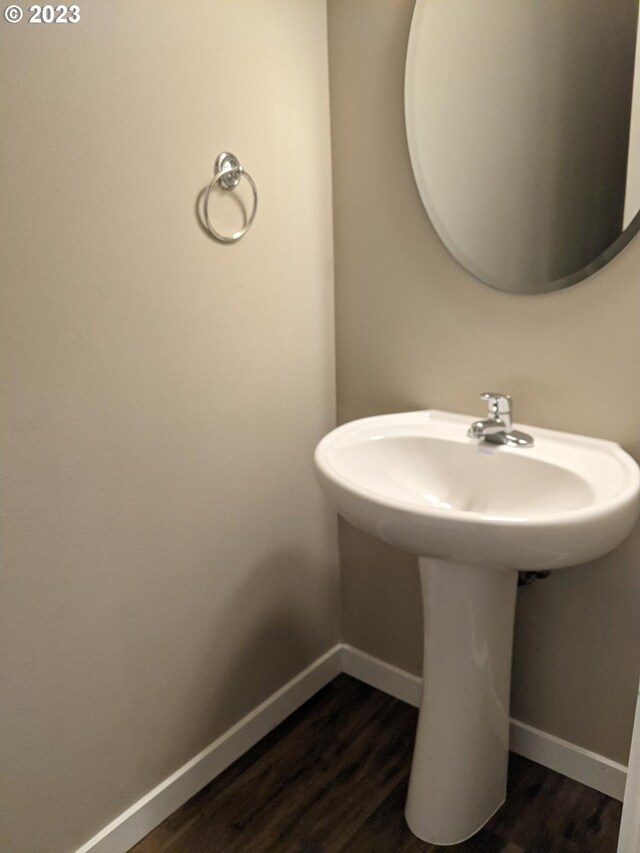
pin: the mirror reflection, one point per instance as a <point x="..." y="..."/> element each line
<point x="523" y="126"/>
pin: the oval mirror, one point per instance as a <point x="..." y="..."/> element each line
<point x="524" y="134"/>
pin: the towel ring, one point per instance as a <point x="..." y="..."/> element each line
<point x="227" y="174"/>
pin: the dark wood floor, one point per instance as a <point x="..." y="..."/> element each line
<point x="333" y="777"/>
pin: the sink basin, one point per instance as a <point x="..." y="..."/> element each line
<point x="417" y="481"/>
<point x="473" y="513"/>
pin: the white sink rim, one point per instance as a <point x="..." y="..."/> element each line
<point x="601" y="513"/>
<point x="326" y="456"/>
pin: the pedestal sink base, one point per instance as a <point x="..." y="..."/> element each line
<point x="459" y="768"/>
<point x="417" y="481"/>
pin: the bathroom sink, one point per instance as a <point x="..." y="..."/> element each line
<point x="417" y="481"/>
<point x="476" y="500"/>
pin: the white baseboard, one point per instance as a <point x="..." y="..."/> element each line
<point x="120" y="835"/>
<point x="384" y="676"/>
<point x="133" y="824"/>
<point x="571" y="760"/>
<point x="567" y="758"/>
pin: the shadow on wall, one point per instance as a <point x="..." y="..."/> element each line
<point x="579" y="654"/>
<point x="381" y="599"/>
<point x="254" y="646"/>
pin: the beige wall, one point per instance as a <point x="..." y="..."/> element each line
<point x="414" y="330"/>
<point x="168" y="558"/>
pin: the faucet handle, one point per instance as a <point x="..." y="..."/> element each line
<point x="499" y="404"/>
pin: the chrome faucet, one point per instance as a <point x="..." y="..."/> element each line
<point x="497" y="428"/>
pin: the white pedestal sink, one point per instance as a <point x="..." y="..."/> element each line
<point x="475" y="514"/>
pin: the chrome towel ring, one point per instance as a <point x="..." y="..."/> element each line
<point x="227" y="174"/>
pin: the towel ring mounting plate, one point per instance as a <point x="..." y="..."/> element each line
<point x="227" y="175"/>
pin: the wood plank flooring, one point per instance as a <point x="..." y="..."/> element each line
<point x="333" y="778"/>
